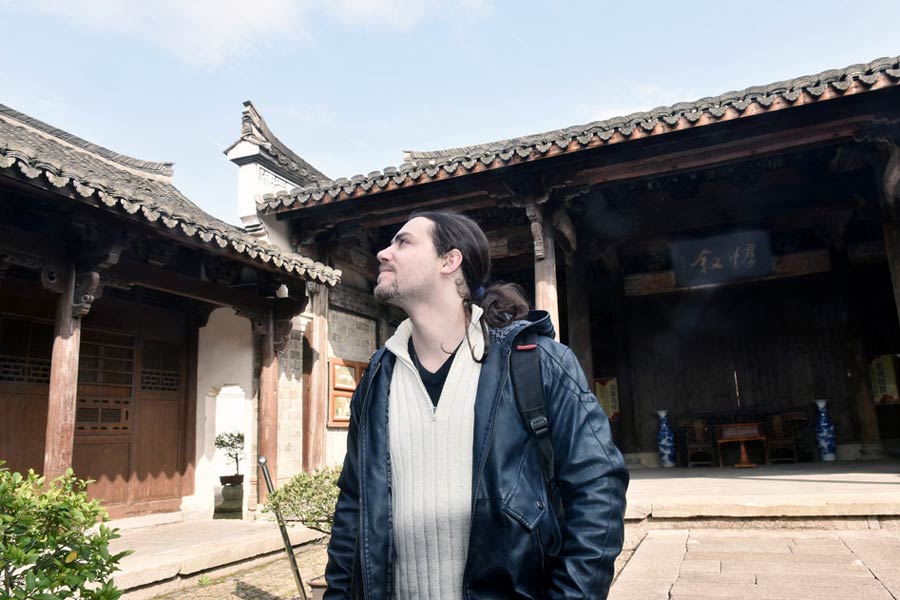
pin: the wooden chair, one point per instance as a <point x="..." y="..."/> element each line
<point x="782" y="436"/>
<point x="698" y="445"/>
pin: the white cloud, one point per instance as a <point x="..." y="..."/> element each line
<point x="401" y="14"/>
<point x="209" y="32"/>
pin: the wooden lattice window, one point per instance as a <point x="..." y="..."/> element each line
<point x="105" y="382"/>
<point x="25" y="350"/>
<point x="161" y="367"/>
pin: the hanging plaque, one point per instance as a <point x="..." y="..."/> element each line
<point x="722" y="258"/>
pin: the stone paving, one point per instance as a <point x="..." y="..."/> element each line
<point x="703" y="564"/>
<point x="695" y="564"/>
<point x="270" y="581"/>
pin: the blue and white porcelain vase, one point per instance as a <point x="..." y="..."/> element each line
<point x="824" y="432"/>
<point x="665" y="440"/>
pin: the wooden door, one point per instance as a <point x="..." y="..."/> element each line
<point x="129" y="426"/>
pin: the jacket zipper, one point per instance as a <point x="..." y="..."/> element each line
<point x="481" y="470"/>
<point x="365" y="414"/>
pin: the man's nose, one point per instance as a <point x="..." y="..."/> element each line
<point x="382" y="254"/>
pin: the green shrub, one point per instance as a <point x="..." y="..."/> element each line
<point x="308" y="498"/>
<point x="46" y="549"/>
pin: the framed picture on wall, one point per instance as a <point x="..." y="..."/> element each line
<point x="345" y="375"/>
<point x="340" y="409"/>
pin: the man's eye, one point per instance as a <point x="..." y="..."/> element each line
<point x="401" y="242"/>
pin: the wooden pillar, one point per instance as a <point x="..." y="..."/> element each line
<point x="267" y="443"/>
<point x="545" y="289"/>
<point x="579" y="316"/>
<point x="315" y="403"/>
<point x="857" y="369"/>
<point x="892" y="249"/>
<point x="60" y="437"/>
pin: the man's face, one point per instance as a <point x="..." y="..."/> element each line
<point x="409" y="268"/>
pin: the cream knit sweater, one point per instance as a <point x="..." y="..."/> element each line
<point x="431" y="470"/>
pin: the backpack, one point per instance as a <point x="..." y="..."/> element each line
<point x="529" y="391"/>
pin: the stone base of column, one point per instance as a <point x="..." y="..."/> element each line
<point x="872" y="451"/>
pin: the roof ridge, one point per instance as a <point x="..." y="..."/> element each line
<point x="254" y="129"/>
<point x="426" y="166"/>
<point x="164" y="169"/>
<point x="785" y="85"/>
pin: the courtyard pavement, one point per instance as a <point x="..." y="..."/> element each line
<point x="838" y="509"/>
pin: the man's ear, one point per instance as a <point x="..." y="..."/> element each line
<point x="451" y="261"/>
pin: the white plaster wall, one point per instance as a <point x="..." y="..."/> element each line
<point x="335" y="446"/>
<point x="254" y="180"/>
<point x="224" y="403"/>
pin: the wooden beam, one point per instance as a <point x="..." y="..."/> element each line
<point x="173" y="282"/>
<point x="315" y="404"/>
<point x="788" y="265"/>
<point x="658" y="163"/>
<point x="267" y="443"/>
<point x="60" y="437"/>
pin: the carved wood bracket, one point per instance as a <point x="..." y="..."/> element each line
<point x="258" y="323"/>
<point x="535" y="215"/>
<point x="87" y="289"/>
<point x="563" y="224"/>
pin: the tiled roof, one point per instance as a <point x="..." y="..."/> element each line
<point x="255" y="130"/>
<point x="425" y="167"/>
<point x="139" y="188"/>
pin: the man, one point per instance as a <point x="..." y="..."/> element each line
<point x="443" y="492"/>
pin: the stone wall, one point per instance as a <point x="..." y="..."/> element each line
<point x="350" y="337"/>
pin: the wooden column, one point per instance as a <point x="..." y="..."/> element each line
<point x="315" y="403"/>
<point x="892" y="249"/>
<point x="579" y="316"/>
<point x="60" y="437"/>
<point x="267" y="443"/>
<point x="857" y="370"/>
<point x="545" y="290"/>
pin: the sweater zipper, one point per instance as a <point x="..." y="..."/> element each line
<point x="480" y="471"/>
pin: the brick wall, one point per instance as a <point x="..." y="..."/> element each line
<point x="351" y="337"/>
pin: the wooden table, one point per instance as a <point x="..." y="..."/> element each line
<point x="741" y="433"/>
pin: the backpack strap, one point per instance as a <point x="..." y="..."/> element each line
<point x="529" y="392"/>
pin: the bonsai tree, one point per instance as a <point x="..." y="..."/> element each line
<point x="233" y="445"/>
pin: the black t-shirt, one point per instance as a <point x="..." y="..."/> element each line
<point x="434" y="382"/>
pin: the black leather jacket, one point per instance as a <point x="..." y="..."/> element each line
<point x="526" y="541"/>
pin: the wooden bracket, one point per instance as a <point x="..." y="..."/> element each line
<point x="87" y="289"/>
<point x="257" y="320"/>
<point x="563" y="224"/>
<point x="535" y="215"/>
<point x="52" y="278"/>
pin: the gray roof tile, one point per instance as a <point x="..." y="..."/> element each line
<point x="136" y="187"/>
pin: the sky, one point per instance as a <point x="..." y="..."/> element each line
<point x="350" y="84"/>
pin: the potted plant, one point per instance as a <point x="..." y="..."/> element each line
<point x="233" y="445"/>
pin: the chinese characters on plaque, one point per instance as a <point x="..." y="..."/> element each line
<point x="722" y="258"/>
